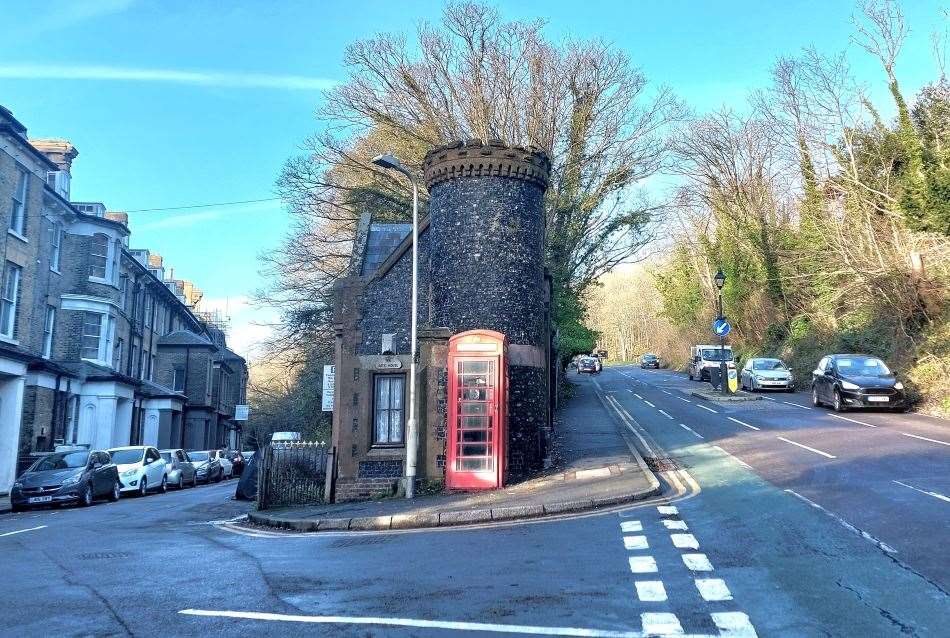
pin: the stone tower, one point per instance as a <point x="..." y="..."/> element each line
<point x="487" y="268"/>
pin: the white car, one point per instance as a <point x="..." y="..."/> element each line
<point x="227" y="467"/>
<point x="141" y="469"/>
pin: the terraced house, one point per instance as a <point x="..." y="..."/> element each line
<point x="97" y="346"/>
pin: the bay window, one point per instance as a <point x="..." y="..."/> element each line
<point x="99" y="256"/>
<point x="91" y="338"/>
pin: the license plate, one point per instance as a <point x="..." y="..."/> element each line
<point x="879" y="399"/>
<point x="40" y="499"/>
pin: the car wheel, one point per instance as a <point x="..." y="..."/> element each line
<point x="143" y="487"/>
<point x="815" y="401"/>
<point x="164" y="486"/>
<point x="16" y="508"/>
<point x="838" y="404"/>
<point x="116" y="492"/>
<point x="181" y="482"/>
<point x="690" y="376"/>
<point x="85" y="498"/>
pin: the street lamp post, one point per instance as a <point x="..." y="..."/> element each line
<point x="412" y="430"/>
<point x="720" y="280"/>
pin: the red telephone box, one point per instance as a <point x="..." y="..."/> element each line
<point x="477" y="410"/>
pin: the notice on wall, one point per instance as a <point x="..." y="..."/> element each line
<point x="242" y="412"/>
<point x="329" y="379"/>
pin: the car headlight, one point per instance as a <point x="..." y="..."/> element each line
<point x="18" y="485"/>
<point x="72" y="479"/>
<point x="898" y="386"/>
<point x="131" y="472"/>
<point x="847" y="385"/>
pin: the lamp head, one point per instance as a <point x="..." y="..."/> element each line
<point x="720" y="279"/>
<point x="388" y="160"/>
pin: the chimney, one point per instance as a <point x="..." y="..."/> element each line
<point x="122" y="218"/>
<point x="60" y="152"/>
<point x="154" y="260"/>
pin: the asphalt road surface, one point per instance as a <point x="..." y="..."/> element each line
<point x="756" y="535"/>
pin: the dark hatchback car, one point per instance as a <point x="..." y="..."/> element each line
<point x="846" y="381"/>
<point x="74" y="476"/>
<point x="650" y="361"/>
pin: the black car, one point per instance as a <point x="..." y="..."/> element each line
<point x="650" y="361"/>
<point x="72" y="476"/>
<point x="846" y="381"/>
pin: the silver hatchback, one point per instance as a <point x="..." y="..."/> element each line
<point x="181" y="471"/>
<point x="763" y="373"/>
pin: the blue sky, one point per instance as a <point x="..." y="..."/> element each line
<point x="189" y="102"/>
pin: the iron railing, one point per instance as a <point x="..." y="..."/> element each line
<point x="292" y="473"/>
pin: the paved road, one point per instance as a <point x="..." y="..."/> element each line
<point x="726" y="552"/>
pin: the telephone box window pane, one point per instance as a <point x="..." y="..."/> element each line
<point x="389" y="409"/>
<point x="474" y="408"/>
<point x="475" y="367"/>
<point x="474" y="436"/>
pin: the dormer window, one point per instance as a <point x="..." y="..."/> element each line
<point x="59" y="182"/>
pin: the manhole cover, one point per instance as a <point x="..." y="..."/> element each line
<point x="104" y="555"/>
<point x="664" y="464"/>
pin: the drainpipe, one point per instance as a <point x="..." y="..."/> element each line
<point x="53" y="415"/>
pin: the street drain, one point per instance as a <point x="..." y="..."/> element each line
<point x="663" y="464"/>
<point x="104" y="555"/>
<point x="356" y="542"/>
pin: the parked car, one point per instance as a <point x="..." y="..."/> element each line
<point x="179" y="469"/>
<point x="856" y="381"/>
<point x="207" y="469"/>
<point x="141" y="468"/>
<point x="704" y="358"/>
<point x="224" y="459"/>
<point x="650" y="360"/>
<point x="588" y="365"/>
<point x="237" y="459"/>
<point x="77" y="476"/>
<point x="762" y="373"/>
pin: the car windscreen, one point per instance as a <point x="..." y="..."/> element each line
<point x="710" y="354"/>
<point x="768" y="364"/>
<point x="167" y="456"/>
<point x="862" y="366"/>
<point x="61" y="461"/>
<point x="649" y="357"/>
<point x="198" y="456"/>
<point x="124" y="457"/>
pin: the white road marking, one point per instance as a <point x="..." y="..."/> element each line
<point x="713" y="589"/>
<point x="798" y="405"/>
<point x="684" y="399"/>
<point x="705" y="408"/>
<point x="651" y="591"/>
<point x="636" y="395"/>
<point x="805" y="447"/>
<point x="695" y="433"/>
<point x="649" y="404"/>
<point x="733" y="624"/>
<point x="734" y="458"/>
<point x="427" y="624"/>
<point x="667" y="510"/>
<point x="838" y="416"/>
<point x="20" y="531"/>
<point x="848" y="526"/>
<point x="751" y="427"/>
<point x="661" y="624"/>
<point x="642" y="565"/>
<point x="770" y="399"/>
<point x="666" y="414"/>
<point x="678" y="525"/>
<point x="631" y="526"/>
<point x="665" y="391"/>
<point x="697" y="562"/>
<point x="684" y="541"/>
<point x="924" y="438"/>
<point x="934" y="494"/>
<point x="635" y="542"/>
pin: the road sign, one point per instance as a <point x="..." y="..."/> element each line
<point x="329" y="379"/>
<point x="721" y="327"/>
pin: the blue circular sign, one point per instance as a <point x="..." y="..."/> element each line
<point x="721" y="327"/>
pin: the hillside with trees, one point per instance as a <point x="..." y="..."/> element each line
<point x="831" y="223"/>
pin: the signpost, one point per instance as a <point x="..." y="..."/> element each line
<point x="329" y="380"/>
<point x="242" y="412"/>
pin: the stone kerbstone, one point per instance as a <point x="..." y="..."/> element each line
<point x="464" y="517"/>
<point x="516" y="512"/>
<point x="371" y="522"/>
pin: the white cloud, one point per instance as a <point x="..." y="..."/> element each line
<point x="142" y="221"/>
<point x="174" y="76"/>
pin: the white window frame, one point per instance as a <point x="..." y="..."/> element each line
<point x="99" y="336"/>
<point x="18" y="204"/>
<point x="107" y="256"/>
<point x="56" y="246"/>
<point x="147" y="319"/>
<point x="9" y="298"/>
<point x="49" y="324"/>
<point x="175" y="375"/>
<point x="106" y="338"/>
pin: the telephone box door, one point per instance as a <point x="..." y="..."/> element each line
<point x="476" y="412"/>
